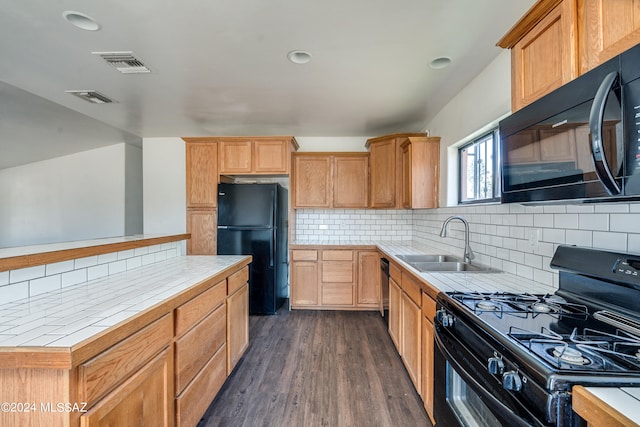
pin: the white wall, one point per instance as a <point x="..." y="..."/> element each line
<point x="164" y="181"/>
<point x="471" y="112"/>
<point x="74" y="197"/>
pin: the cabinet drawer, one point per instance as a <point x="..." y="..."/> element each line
<point x="237" y="279"/>
<point x="337" y="272"/>
<point x="304" y="255"/>
<point x="428" y="307"/>
<point x="412" y="288"/>
<point x="196" y="398"/>
<point x="196" y="346"/>
<point x="108" y="369"/>
<point x="395" y="272"/>
<point x="335" y="294"/>
<point x="337" y="255"/>
<point x="190" y="313"/>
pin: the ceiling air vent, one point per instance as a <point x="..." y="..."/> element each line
<point x="124" y="62"/>
<point x="91" y="96"/>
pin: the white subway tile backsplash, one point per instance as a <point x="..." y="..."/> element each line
<point x="598" y="222"/>
<point x="117" y="267"/>
<point x="14" y="291"/>
<point x="76" y="276"/>
<point x="59" y="267"/>
<point x="45" y="284"/>
<point x="610" y="241"/>
<point x="107" y="258"/>
<point x="4" y="278"/>
<point x="24" y="274"/>
<point x="97" y="271"/>
<point x="85" y="262"/>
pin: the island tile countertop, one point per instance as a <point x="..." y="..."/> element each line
<point x="66" y="318"/>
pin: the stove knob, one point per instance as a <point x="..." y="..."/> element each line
<point x="445" y="318"/>
<point x="495" y="365"/>
<point x="512" y="381"/>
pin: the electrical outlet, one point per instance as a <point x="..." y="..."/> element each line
<point x="534" y="237"/>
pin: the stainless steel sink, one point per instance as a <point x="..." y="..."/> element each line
<point x="447" y="266"/>
<point x="428" y="258"/>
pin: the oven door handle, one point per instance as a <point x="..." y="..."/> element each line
<point x="494" y="404"/>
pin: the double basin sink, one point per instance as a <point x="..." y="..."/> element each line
<point x="435" y="263"/>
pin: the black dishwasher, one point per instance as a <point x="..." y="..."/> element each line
<point x="384" y="289"/>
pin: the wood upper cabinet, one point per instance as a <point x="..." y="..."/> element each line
<point x="311" y="181"/>
<point x="558" y="40"/>
<point x="606" y="28"/>
<point x="387" y="173"/>
<point x="202" y="174"/>
<point x="544" y="50"/>
<point x="330" y="180"/>
<point x="383" y="159"/>
<point x="420" y="172"/>
<point x="255" y="155"/>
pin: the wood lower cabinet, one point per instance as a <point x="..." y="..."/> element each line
<point x="428" y="315"/>
<point x="304" y="278"/>
<point x="144" y="399"/>
<point x="344" y="279"/>
<point x="410" y="330"/>
<point x="330" y="180"/>
<point x="237" y="326"/>
<point x="202" y="224"/>
<point x="368" y="284"/>
<point x="395" y="313"/>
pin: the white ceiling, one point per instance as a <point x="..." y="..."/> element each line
<point x="219" y="67"/>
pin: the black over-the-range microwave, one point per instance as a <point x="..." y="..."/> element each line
<point x="579" y="143"/>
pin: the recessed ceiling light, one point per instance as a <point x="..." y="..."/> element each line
<point x="299" y="56"/>
<point x="81" y="20"/>
<point x="439" y="63"/>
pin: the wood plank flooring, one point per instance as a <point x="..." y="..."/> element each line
<point x="318" y="368"/>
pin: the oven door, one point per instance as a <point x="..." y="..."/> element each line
<point x="467" y="395"/>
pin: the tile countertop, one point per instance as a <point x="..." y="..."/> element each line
<point x="490" y="281"/>
<point x="66" y="317"/>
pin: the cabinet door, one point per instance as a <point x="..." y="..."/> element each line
<point x="304" y="283"/>
<point x="546" y="57"/>
<point x="406" y="176"/>
<point x="202" y="224"/>
<point x="606" y="28"/>
<point x="410" y="343"/>
<point x="382" y="155"/>
<point x="350" y="182"/>
<point x="237" y="326"/>
<point x="202" y="174"/>
<point x="145" y="399"/>
<point x="235" y="157"/>
<point x="270" y="156"/>
<point x="394" y="312"/>
<point x="427" y="366"/>
<point x="368" y="291"/>
<point x="311" y="181"/>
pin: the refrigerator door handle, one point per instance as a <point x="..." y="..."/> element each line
<point x="272" y="246"/>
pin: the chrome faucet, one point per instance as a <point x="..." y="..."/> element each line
<point x="468" y="253"/>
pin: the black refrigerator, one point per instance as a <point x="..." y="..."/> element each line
<point x="252" y="220"/>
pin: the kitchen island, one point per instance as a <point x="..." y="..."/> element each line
<point x="148" y="346"/>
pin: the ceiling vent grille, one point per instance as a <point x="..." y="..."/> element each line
<point x="124" y="62"/>
<point x="91" y="96"/>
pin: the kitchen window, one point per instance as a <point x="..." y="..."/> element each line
<point x="478" y="166"/>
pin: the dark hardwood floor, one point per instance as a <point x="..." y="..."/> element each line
<point x="318" y="368"/>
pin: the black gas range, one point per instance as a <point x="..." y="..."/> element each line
<point x="506" y="359"/>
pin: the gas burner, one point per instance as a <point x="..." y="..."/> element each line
<point x="555" y="299"/>
<point x="541" y="307"/>
<point x="487" y="305"/>
<point x="569" y="355"/>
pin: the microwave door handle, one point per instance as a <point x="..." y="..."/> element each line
<point x="596" y="118"/>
